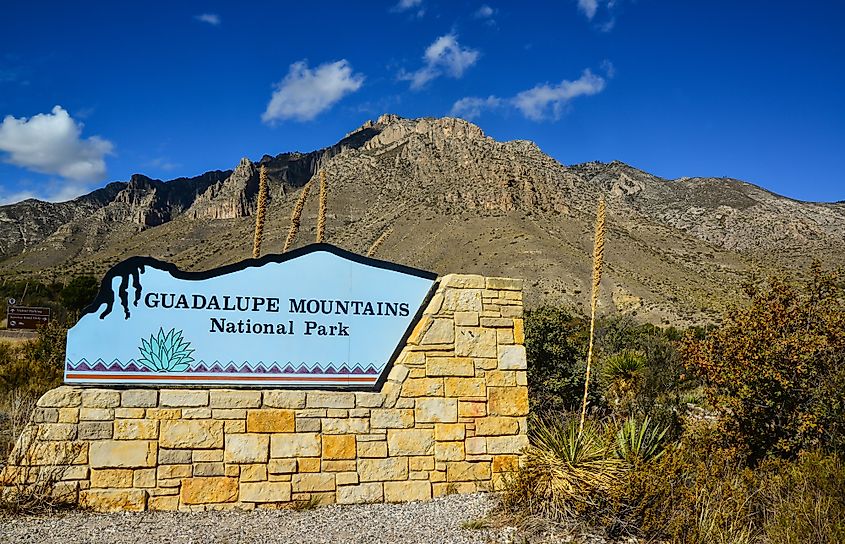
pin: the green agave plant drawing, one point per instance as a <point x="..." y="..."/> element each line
<point x="166" y="352"/>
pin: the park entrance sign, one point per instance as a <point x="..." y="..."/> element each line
<point x="315" y="317"/>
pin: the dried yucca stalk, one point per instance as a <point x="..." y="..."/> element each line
<point x="260" y="213"/>
<point x="379" y="241"/>
<point x="321" y="218"/>
<point x="598" y="260"/>
<point x="296" y="216"/>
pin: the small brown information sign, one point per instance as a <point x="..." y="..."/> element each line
<point x="27" y="317"/>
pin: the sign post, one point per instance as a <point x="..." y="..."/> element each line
<point x="26" y="317"/>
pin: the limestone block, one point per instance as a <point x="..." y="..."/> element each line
<point x="504" y="336"/>
<point x="182" y="398"/>
<point x="114" y="477"/>
<point x="122" y="454"/>
<point x="64" y="396"/>
<point x="308" y="464"/>
<point x="475" y="342"/>
<point x="170" y="472"/>
<point x="360" y="494"/>
<point x="445" y="432"/>
<point x="209" y="469"/>
<point x="436" y="410"/>
<point x="369" y="400"/>
<point x="410" y="442"/>
<point x="462" y="300"/>
<point x="309" y="483"/>
<point x="512" y="358"/>
<point x="511" y="311"/>
<point x="463" y="281"/>
<point x="507" y="444"/>
<point x="206" y="456"/>
<point x="359" y="412"/>
<point x="339" y="446"/>
<point x="228" y="413"/>
<point x="423" y="387"/>
<point x="234" y="426"/>
<point x="505" y="463"/>
<point x="265" y="492"/>
<point x="329" y="399"/>
<point x="164" y="413"/>
<point x="135" y="429"/>
<point x="246" y="448"/>
<point x="144" y="478"/>
<point x="308" y="425"/>
<point x="392" y="419"/>
<point x="234" y="398"/>
<point x="284" y="399"/>
<point x="57" y="431"/>
<point x="382" y="470"/>
<point x="347" y="465"/>
<point x="519" y="331"/>
<point x="449" y="451"/>
<point x="501" y="378"/>
<point x="270" y="420"/>
<point x="216" y="489"/>
<point x="201" y="434"/>
<point x="346" y="478"/>
<point x="418" y="490"/>
<point x="113" y="500"/>
<point x="440" y="331"/>
<point x="421" y="463"/>
<point x="522" y="378"/>
<point x="196" y="413"/>
<point x="476" y="445"/>
<point x="462" y="471"/>
<point x="139" y="398"/>
<point x="281" y="466"/>
<point x="449" y="366"/>
<point x="398" y="373"/>
<point x="163" y="503"/>
<point x="96" y="414"/>
<point x="472" y="409"/>
<point x="464" y="387"/>
<point x="173" y="457"/>
<point x="352" y="425"/>
<point x="496" y="426"/>
<point x="508" y="401"/>
<point x="295" y="445"/>
<point x="372" y="449"/>
<point x="68" y="415"/>
<point x="466" y="319"/>
<point x="100" y="398"/>
<point x="337" y="412"/>
<point x="504" y="284"/>
<point x="496" y="322"/>
<point x="125" y="413"/>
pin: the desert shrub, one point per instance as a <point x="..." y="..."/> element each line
<point x="79" y="292"/>
<point x="639" y="441"/>
<point x="623" y="374"/>
<point x="35" y="366"/>
<point x="775" y="371"/>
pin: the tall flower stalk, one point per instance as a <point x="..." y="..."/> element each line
<point x="598" y="260"/>
<point x="296" y="216"/>
<point x="379" y="241"/>
<point x="321" y="218"/>
<point x="260" y="213"/>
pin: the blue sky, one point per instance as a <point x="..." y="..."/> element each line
<point x="751" y="90"/>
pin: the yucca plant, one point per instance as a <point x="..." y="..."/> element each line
<point x="260" y="213"/>
<point x="566" y="468"/>
<point x="379" y="241"/>
<point x="166" y="352"/>
<point x="623" y="372"/>
<point x="321" y="215"/>
<point x="296" y="216"/>
<point x="598" y="261"/>
<point x="640" y="441"/>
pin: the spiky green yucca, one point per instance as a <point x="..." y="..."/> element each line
<point x="624" y="371"/>
<point x="565" y="469"/>
<point x="640" y="441"/>
<point x="166" y="352"/>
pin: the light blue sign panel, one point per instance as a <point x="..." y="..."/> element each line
<point x="318" y="316"/>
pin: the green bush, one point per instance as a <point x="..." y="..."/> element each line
<point x="34" y="366"/>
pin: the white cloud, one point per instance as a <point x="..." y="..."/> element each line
<point x="443" y="57"/>
<point x="305" y="93"/>
<point x="405" y="5"/>
<point x="588" y="8"/>
<point x="484" y="12"/>
<point x="538" y="103"/>
<point x="211" y="18"/>
<point x="471" y="107"/>
<point x="50" y="143"/>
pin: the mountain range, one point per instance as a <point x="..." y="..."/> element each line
<point x="455" y="200"/>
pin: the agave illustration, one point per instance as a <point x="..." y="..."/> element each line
<point x="166" y="352"/>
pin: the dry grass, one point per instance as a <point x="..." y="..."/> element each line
<point x="260" y="213"/>
<point x="296" y="217"/>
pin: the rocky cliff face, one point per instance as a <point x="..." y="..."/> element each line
<point x="456" y="201"/>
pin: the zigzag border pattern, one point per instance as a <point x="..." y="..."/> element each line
<point x="201" y="367"/>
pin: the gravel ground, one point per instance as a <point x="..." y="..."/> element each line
<point x="435" y="522"/>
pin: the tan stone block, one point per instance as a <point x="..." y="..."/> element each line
<point x="504" y="284"/>
<point x="196" y="413"/>
<point x="472" y="409"/>
<point x="246" y="448"/>
<point x="308" y="425"/>
<point x="359" y="412"/>
<point x="45" y="415"/>
<point x="207" y="456"/>
<point x="170" y="472"/>
<point x="339" y="446"/>
<point x="500" y="378"/>
<point x="308" y="464"/>
<point x="211" y="490"/>
<point x="234" y="398"/>
<point x="284" y="399"/>
<point x="122" y="454"/>
<point x="507" y="444"/>
<point x="462" y="471"/>
<point x="265" y="492"/>
<point x="309" y="483"/>
<point x="440" y="331"/>
<point x="410" y="442"/>
<point x="423" y="387"/>
<point x="329" y="399"/>
<point x="496" y="426"/>
<point x="199" y="434"/>
<point x="462" y="300"/>
<point x="295" y="445"/>
<point x="337" y="412"/>
<point x="164" y="413"/>
<point x="174" y="457"/>
<point x="232" y="471"/>
<point x="346" y="478"/>
<point x="445" y="432"/>
<point x="464" y="387"/>
<point x="111" y="477"/>
<point x="372" y="449"/>
<point x="369" y="400"/>
<point x="183" y="398"/>
<point x="209" y="469"/>
<point x="436" y="410"/>
<point x="78" y="472"/>
<point x="449" y="451"/>
<point x="311" y="412"/>
<point x="508" y="401"/>
<point x="417" y="372"/>
<point x="381" y="470"/>
<point x="68" y="415"/>
<point x="504" y="336"/>
<point x="57" y="431"/>
<point x="476" y="445"/>
<point x="519" y="331"/>
<point x="419" y="490"/>
<point x="144" y="478"/>
<point x="234" y="426"/>
<point x="100" y="398"/>
<point x="281" y="466"/>
<point x="475" y="342"/>
<point x="135" y="429"/>
<point x="449" y="366"/>
<point x="356" y="425"/>
<point x="522" y="379"/>
<point x="495" y="322"/>
<point x="139" y="398"/>
<point x="421" y="463"/>
<point x="392" y="418"/>
<point x="96" y="414"/>
<point x="398" y="373"/>
<point x="463" y="281"/>
<point x="372" y="437"/>
<point x="338" y="466"/>
<point x="466" y="319"/>
<point x="505" y="463"/>
<point x="163" y="503"/>
<point x="129" y="413"/>
<point x="512" y="358"/>
<point x="113" y="500"/>
<point x="360" y="494"/>
<point x="64" y="396"/>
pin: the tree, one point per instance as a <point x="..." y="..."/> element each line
<point x="79" y="292"/>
